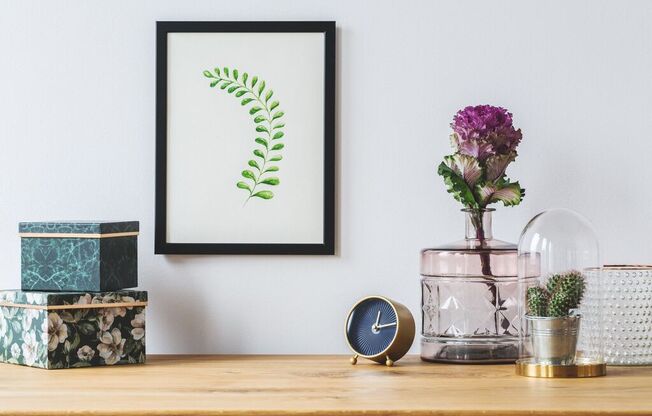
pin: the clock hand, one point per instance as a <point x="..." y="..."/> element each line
<point x="374" y="327"/>
<point x="385" y="325"/>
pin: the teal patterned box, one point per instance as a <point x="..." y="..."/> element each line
<point x="70" y="330"/>
<point x="79" y="256"/>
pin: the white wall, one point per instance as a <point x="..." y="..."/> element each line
<point x="77" y="95"/>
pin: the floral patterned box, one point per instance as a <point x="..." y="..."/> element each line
<point x="66" y="330"/>
<point x="92" y="256"/>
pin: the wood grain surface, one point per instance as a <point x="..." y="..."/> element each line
<point x="315" y="385"/>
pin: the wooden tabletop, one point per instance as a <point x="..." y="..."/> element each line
<point x="315" y="385"/>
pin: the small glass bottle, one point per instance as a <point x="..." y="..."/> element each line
<point x="470" y="305"/>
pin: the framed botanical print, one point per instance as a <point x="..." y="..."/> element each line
<point x="245" y="142"/>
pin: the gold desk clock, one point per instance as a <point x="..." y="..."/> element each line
<point x="379" y="329"/>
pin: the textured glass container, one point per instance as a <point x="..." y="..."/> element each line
<point x="470" y="297"/>
<point x="554" y="244"/>
<point x="628" y="314"/>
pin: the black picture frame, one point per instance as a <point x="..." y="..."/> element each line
<point x="162" y="246"/>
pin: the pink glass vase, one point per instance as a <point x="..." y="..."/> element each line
<point x="470" y="296"/>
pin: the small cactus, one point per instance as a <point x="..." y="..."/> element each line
<point x="537" y="301"/>
<point x="562" y="293"/>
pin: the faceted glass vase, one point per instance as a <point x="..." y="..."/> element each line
<point x="470" y="298"/>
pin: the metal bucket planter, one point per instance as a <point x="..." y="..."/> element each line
<point x="554" y="340"/>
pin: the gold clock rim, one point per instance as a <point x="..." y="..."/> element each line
<point x="346" y="324"/>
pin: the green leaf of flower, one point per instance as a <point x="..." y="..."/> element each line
<point x="246" y="101"/>
<point x="254" y="80"/>
<point x="217" y="71"/>
<point x="269" y="95"/>
<point x="273" y="105"/>
<point x="214" y="83"/>
<point x="276" y="158"/>
<point x="271" y="169"/>
<point x="235" y="74"/>
<point x="240" y="93"/>
<point x="278" y="114"/>
<point x="278" y="135"/>
<point x="208" y="74"/>
<point x="497" y="164"/>
<point x="508" y="193"/>
<point x="260" y="154"/>
<point x="264" y="194"/>
<point x="261" y="87"/>
<point x="226" y="71"/>
<point x="245" y="76"/>
<point x="226" y="84"/>
<point x="233" y="88"/>
<point x="254" y="164"/>
<point x="254" y="110"/>
<point x="262" y="141"/>
<point x="271" y="181"/>
<point x="457" y="187"/>
<point x="465" y="166"/>
<point x="259" y="119"/>
<point x="278" y="126"/>
<point x="262" y="129"/>
<point x="278" y="146"/>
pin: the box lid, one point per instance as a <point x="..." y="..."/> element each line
<point x="93" y="228"/>
<point x="65" y="300"/>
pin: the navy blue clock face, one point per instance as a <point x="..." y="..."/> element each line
<point x="371" y="326"/>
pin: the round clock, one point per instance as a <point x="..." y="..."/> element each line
<point x="379" y="329"/>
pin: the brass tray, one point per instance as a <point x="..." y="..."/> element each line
<point x="528" y="368"/>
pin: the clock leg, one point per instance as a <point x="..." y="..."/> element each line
<point x="354" y="359"/>
<point x="389" y="362"/>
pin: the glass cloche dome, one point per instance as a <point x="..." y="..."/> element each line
<point x="561" y="290"/>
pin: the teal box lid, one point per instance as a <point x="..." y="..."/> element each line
<point x="78" y="299"/>
<point x="77" y="227"/>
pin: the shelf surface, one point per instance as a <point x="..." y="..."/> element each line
<point x="315" y="385"/>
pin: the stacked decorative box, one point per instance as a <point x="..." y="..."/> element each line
<point x="73" y="310"/>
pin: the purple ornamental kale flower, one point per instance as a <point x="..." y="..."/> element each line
<point x="483" y="131"/>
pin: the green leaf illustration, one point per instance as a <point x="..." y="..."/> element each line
<point x="242" y="87"/>
<point x="243" y="185"/>
<point x="264" y="194"/>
